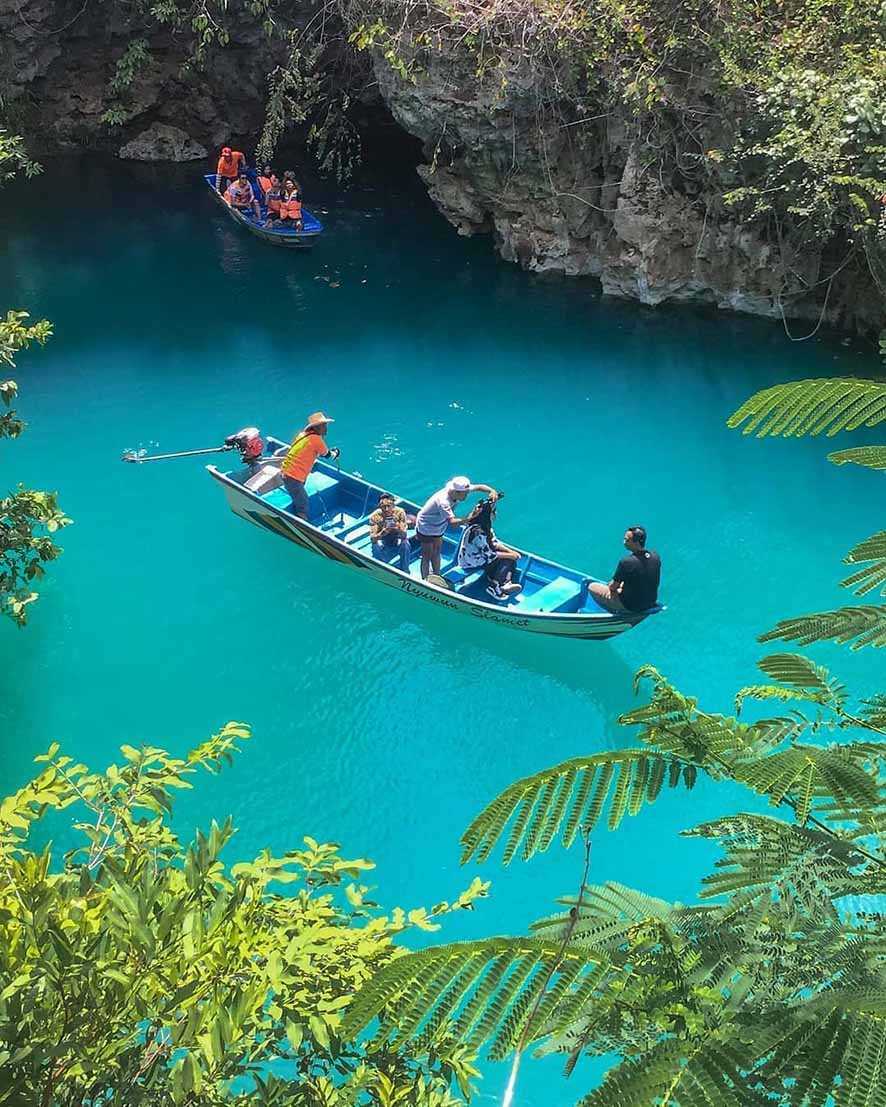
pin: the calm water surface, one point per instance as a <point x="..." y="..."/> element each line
<point x="379" y="722"/>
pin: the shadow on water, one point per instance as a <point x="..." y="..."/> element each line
<point x="593" y="670"/>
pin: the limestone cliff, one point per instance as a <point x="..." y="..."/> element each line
<point x="581" y="199"/>
<point x="573" y="192"/>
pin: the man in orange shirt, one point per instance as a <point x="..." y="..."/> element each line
<point x="228" y="169"/>
<point x="307" y="446"/>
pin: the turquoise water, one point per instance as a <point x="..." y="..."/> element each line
<point x="379" y="722"/>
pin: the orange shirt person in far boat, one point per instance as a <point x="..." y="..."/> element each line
<point x="307" y="446"/>
<point x="229" y="165"/>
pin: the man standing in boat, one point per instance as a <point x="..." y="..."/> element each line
<point x="438" y="514"/>
<point x="230" y="164"/>
<point x="634" y="584"/>
<point x="307" y="446"/>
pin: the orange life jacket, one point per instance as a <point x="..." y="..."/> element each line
<point x="265" y="183"/>
<point x="272" y="198"/>
<point x="290" y="206"/>
<point x="229" y="165"/>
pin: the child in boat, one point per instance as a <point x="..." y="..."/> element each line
<point x="387" y="528"/>
<point x="480" y="549"/>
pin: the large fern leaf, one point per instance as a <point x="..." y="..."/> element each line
<point x="812" y="407"/>
<point x="570" y="797"/>
<point x="833" y="1051"/>
<point x="766" y="860"/>
<point x="872" y="457"/>
<point x="606" y="916"/>
<point x="709" y="1072"/>
<point x="873" y="710"/>
<point x="862" y="626"/>
<point x="873" y="575"/>
<point x="798" y="679"/>
<point x="808" y="775"/>
<point x="483" y="992"/>
<point x="673" y="723"/>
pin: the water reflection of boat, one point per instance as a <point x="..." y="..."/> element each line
<point x="554" y="599"/>
<point x="276" y="235"/>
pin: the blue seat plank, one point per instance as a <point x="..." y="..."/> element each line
<point x="552" y="597"/>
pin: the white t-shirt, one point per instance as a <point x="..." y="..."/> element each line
<point x="436" y="515"/>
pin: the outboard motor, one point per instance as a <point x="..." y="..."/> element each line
<point x="249" y="442"/>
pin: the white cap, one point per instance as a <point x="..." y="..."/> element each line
<point x="459" y="484"/>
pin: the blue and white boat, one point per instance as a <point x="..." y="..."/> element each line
<point x="554" y="599"/>
<point x="278" y="235"/>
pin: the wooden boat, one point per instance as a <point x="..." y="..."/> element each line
<point x="277" y="235"/>
<point x="554" y="599"/>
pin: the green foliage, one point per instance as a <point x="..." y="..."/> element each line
<point x="133" y="61"/>
<point x="860" y="626"/>
<point x="710" y="1003"/>
<point x="829" y="405"/>
<point x="139" y="969"/>
<point x="14" y="157"/>
<point x="872" y="457"/>
<point x="798" y="679"/>
<point x="570" y="796"/>
<point x="873" y="575"/>
<point x="27" y="517"/>
<point x="483" y="991"/>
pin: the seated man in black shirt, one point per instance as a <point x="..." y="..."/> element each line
<point x="634" y="584"/>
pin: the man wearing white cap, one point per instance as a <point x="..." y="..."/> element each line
<point x="438" y="515"/>
<point x="307" y="446"/>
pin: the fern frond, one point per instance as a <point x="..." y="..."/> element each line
<point x="873" y="709"/>
<point x="813" y="407"/>
<point x="485" y="989"/>
<point x="806" y="775"/>
<point x="798" y="679"/>
<point x="862" y="626"/>
<point x="673" y="722"/>
<point x="766" y="860"/>
<point x="873" y="575"/>
<point x="872" y="457"/>
<point x="676" y="1073"/>
<point x="769" y="733"/>
<point x="608" y="912"/>
<point x="796" y="671"/>
<point x="833" y="1052"/>
<point x="570" y="796"/>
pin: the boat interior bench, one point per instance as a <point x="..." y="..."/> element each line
<point x="558" y="595"/>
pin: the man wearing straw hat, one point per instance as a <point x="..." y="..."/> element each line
<point x="307" y="446"/>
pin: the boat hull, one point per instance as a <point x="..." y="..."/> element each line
<point x="288" y="239"/>
<point x="255" y="510"/>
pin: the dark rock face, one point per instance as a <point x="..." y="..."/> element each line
<point x="57" y="58"/>
<point x="161" y="142"/>
<point x="581" y="200"/>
